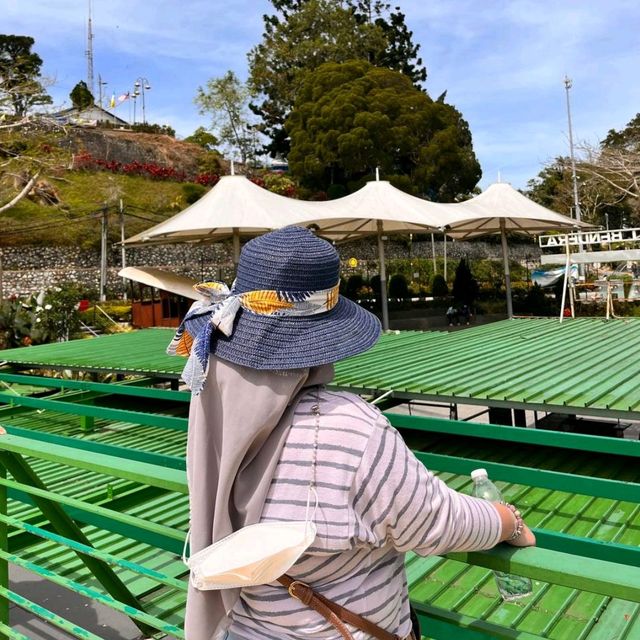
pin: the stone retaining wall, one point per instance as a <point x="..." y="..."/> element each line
<point x="30" y="269"/>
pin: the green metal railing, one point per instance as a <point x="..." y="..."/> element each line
<point x="123" y="549"/>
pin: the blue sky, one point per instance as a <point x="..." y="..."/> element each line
<point x="501" y="62"/>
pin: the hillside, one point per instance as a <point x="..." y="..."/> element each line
<point x="150" y="173"/>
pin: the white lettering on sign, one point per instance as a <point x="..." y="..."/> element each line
<point x="590" y="237"/>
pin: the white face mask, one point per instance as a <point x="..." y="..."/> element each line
<point x="253" y="555"/>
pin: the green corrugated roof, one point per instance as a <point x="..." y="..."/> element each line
<point x="554" y="612"/>
<point x="586" y="364"/>
<point x="133" y="352"/>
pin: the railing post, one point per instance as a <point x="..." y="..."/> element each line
<point x="4" y="544"/>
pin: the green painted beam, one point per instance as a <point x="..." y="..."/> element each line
<point x="120" y="415"/>
<point x="146" y="474"/>
<point x="146" y="620"/>
<point x="539" y="437"/>
<point x="152" y="533"/>
<point x="110" y="388"/>
<point x="587" y="574"/>
<point x="63" y="524"/>
<point x="105" y="556"/>
<point x="8" y="632"/>
<point x="53" y="618"/>
<point x="571" y="483"/>
<point x="588" y="547"/>
<point x="442" y="624"/>
<point x="4" y="544"/>
<point x="124" y="453"/>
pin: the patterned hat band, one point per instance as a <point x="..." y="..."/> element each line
<point x="218" y="312"/>
<point x="269" y="303"/>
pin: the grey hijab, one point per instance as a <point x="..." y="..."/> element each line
<point x="237" y="428"/>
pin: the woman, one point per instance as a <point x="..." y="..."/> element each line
<point x="263" y="429"/>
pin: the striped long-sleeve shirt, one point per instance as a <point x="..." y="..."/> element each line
<point x="376" y="502"/>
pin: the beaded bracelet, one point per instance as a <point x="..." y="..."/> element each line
<point x="517" y="532"/>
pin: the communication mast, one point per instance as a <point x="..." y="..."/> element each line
<point x="89" y="52"/>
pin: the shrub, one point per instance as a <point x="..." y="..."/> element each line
<point x="192" y="192"/>
<point x="440" y="288"/>
<point x="398" y="286"/>
<point x="354" y="283"/>
<point x="465" y="287"/>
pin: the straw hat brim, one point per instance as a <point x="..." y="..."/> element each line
<point x="284" y="342"/>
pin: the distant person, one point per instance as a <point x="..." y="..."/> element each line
<point x="452" y="315"/>
<point x="465" y="312"/>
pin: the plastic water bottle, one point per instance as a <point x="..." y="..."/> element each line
<point x="510" y="587"/>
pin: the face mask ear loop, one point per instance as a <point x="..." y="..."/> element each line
<point x="308" y="520"/>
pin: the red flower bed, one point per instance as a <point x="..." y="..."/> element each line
<point x="147" y="169"/>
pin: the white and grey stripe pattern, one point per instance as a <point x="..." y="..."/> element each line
<point x="376" y="502"/>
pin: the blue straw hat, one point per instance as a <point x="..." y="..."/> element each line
<point x="294" y="261"/>
<point x="284" y="311"/>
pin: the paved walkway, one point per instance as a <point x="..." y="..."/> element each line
<point x="100" y="620"/>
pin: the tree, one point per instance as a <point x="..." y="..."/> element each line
<point x="81" y="97"/>
<point x="352" y="117"/>
<point x="599" y="202"/>
<point x="302" y="34"/>
<point x="439" y="286"/>
<point x="465" y="287"/>
<point x="204" y="139"/>
<point x="20" y="82"/>
<point x="226" y="100"/>
<point x="615" y="165"/>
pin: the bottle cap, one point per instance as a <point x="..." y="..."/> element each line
<point x="479" y="474"/>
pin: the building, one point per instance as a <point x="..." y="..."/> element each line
<point x="89" y="117"/>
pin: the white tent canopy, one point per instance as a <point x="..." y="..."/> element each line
<point x="165" y="280"/>
<point x="234" y="206"/>
<point x="378" y="201"/>
<point x="379" y="208"/>
<point x="503" y="207"/>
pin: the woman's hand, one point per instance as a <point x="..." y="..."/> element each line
<point x="509" y="524"/>
<point x="525" y="539"/>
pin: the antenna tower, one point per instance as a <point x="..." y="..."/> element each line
<point x="89" y="52"/>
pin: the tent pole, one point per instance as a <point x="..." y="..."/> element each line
<point x="433" y="254"/>
<point x="507" y="274"/>
<point x="566" y="279"/>
<point x="444" y="237"/>
<point x="383" y="280"/>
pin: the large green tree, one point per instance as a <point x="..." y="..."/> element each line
<point x="81" y="97"/>
<point x="302" y="34"/>
<point x="352" y="117"/>
<point x="20" y="81"/>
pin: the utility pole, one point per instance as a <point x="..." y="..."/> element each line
<point x="576" y="199"/>
<point x="123" y="257"/>
<point x="103" y="253"/>
<point x="89" y="52"/>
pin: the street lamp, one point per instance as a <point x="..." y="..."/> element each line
<point x="134" y="98"/>
<point x="101" y="83"/>
<point x="140" y="86"/>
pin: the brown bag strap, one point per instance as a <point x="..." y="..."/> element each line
<point x="332" y="612"/>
